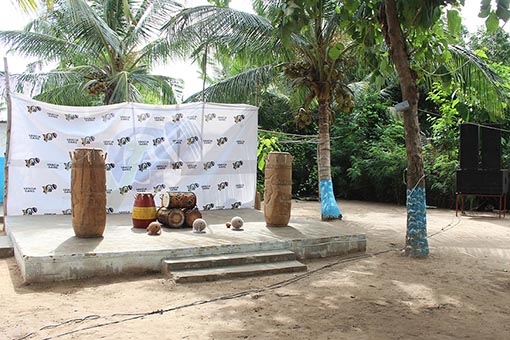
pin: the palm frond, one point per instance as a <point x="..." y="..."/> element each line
<point x="239" y="88"/>
<point x="29" y="44"/>
<point x="218" y="26"/>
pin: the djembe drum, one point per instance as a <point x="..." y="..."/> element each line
<point x="88" y="192"/>
<point x="144" y="209"/>
<point x="278" y="189"/>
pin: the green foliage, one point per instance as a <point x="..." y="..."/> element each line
<point x="266" y="145"/>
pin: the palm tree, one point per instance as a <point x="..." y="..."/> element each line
<point x="104" y="50"/>
<point x="311" y="59"/>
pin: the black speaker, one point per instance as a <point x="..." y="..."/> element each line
<point x="491" y="147"/>
<point x="469" y="146"/>
<point x="482" y="182"/>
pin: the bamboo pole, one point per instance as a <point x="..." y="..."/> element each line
<point x="8" y="136"/>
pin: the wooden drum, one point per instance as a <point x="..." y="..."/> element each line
<point x="191" y="215"/>
<point x="88" y="192"/>
<point x="278" y="189"/>
<point x="144" y="210"/>
<point x="178" y="200"/>
<point x="172" y="218"/>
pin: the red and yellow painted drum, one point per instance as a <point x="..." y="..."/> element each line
<point x="178" y="200"/>
<point x="144" y="210"/>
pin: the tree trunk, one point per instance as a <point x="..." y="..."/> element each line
<point x="416" y="236"/>
<point x="329" y="207"/>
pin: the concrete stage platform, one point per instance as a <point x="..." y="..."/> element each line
<point x="47" y="250"/>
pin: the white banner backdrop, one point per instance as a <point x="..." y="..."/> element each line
<point x="210" y="149"/>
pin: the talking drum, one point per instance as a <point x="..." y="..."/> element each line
<point x="144" y="210"/>
<point x="178" y="200"/>
<point x="278" y="189"/>
<point x="173" y="218"/>
<point x="88" y="192"/>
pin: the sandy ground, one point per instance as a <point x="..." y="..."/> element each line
<point x="462" y="291"/>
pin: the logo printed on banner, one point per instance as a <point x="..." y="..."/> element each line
<point x="87" y="140"/>
<point x="177" y="117"/>
<point x="108" y="142"/>
<point x="49" y="188"/>
<point x="173" y="189"/>
<point x="222" y="118"/>
<point x="144" y="166"/>
<point x="89" y="119"/>
<point x="125" y="189"/>
<point x="193" y="186"/>
<point x="108" y="116"/>
<point x="126" y="167"/>
<point x="141" y="190"/>
<point x="177" y="165"/>
<point x="68" y="211"/>
<point x="208" y="165"/>
<point x="109" y="191"/>
<point x="240" y="141"/>
<point x="142" y="117"/>
<point x="240" y="186"/>
<point x="191" y="166"/>
<point x="177" y="141"/>
<point x="29" y="189"/>
<point x="159" y="118"/>
<point x="72" y="140"/>
<point x="194" y="117"/>
<point x="34" y="137"/>
<point x="206" y="187"/>
<point x="208" y="141"/>
<point x="222" y="186"/>
<point x="49" y="136"/>
<point x="125" y="118"/>
<point x="109" y="210"/>
<point x="53" y="165"/>
<point x="192" y="140"/>
<point x="52" y="115"/>
<point x="32" y="162"/>
<point x="210" y="116"/>
<point x="222" y="166"/>
<point x="236" y="205"/>
<point x="238" y="119"/>
<point x="66" y="191"/>
<point x="237" y="164"/>
<point x="109" y="166"/>
<point x="222" y="140"/>
<point x="161" y="167"/>
<point x="143" y="142"/>
<point x="159" y="187"/>
<point x="33" y="108"/>
<point x="208" y="206"/>
<point x="29" y="211"/>
<point x="123" y="141"/>
<point x="68" y="165"/>
<point x="71" y="116"/>
<point x="158" y="141"/>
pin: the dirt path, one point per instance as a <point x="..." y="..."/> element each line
<point x="462" y="291"/>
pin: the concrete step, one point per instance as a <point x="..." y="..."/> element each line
<point x="6" y="248"/>
<point x="212" y="274"/>
<point x="210" y="261"/>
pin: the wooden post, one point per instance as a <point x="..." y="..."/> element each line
<point x="8" y="136"/>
